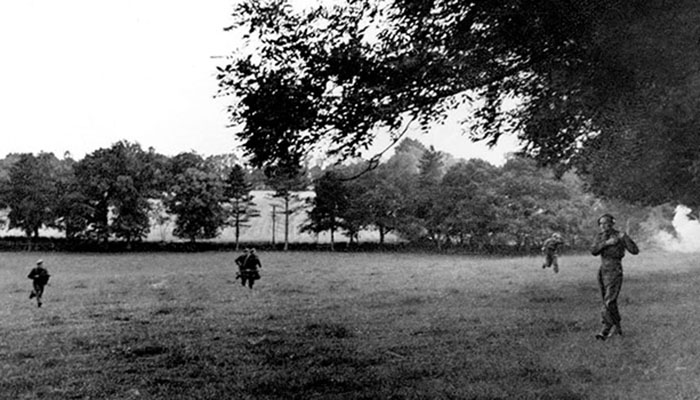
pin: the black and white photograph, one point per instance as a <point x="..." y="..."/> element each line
<point x="349" y="199"/>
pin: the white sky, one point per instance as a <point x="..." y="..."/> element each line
<point x="79" y="75"/>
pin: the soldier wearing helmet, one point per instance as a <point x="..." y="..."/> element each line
<point x="551" y="248"/>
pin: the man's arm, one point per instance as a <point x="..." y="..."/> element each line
<point x="560" y="244"/>
<point x="545" y="245"/>
<point x="599" y="244"/>
<point x="630" y="245"/>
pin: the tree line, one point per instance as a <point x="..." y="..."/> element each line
<point x="113" y="193"/>
<point x="430" y="199"/>
<point x="420" y="195"/>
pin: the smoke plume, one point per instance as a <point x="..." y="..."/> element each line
<point x="687" y="237"/>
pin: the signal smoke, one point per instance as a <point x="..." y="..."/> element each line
<point x="687" y="237"/>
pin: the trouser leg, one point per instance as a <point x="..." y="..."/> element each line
<point x="610" y="284"/>
<point x="601" y="284"/>
<point x="38" y="292"/>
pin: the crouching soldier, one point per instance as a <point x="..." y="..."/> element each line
<point x="248" y="267"/>
<point x="40" y="277"/>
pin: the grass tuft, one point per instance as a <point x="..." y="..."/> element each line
<point x="547" y="299"/>
<point x="328" y="330"/>
<point x="147" y="350"/>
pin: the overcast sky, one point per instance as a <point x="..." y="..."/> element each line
<point x="78" y="75"/>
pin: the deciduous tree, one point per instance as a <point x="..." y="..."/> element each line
<point x="576" y="81"/>
<point x="117" y="183"/>
<point x="197" y="203"/>
<point x="31" y="192"/>
<point x="469" y="197"/>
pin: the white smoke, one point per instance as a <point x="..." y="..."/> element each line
<point x="687" y="238"/>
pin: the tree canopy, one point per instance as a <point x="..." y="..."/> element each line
<point x="609" y="87"/>
<point x="115" y="184"/>
<point x="31" y="192"/>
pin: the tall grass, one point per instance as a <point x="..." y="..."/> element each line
<point x="345" y="326"/>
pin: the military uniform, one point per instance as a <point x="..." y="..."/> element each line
<point x="248" y="265"/>
<point x="611" y="246"/>
<point x="550" y="247"/>
<point x="40" y="278"/>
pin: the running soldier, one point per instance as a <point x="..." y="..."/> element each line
<point x="248" y="265"/>
<point x="550" y="248"/>
<point x="610" y="245"/>
<point x="40" y="277"/>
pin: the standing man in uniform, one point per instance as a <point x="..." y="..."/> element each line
<point x="40" y="277"/>
<point x="610" y="245"/>
<point x="550" y="248"/>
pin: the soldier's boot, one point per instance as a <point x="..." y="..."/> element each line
<point x="603" y="334"/>
<point x="32" y="295"/>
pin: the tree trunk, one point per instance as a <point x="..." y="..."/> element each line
<point x="274" y="223"/>
<point x="332" y="239"/>
<point x="238" y="224"/>
<point x="30" y="240"/>
<point x="286" y="223"/>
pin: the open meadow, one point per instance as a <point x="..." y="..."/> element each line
<point x="345" y="326"/>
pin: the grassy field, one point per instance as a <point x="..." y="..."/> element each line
<point x="345" y="326"/>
